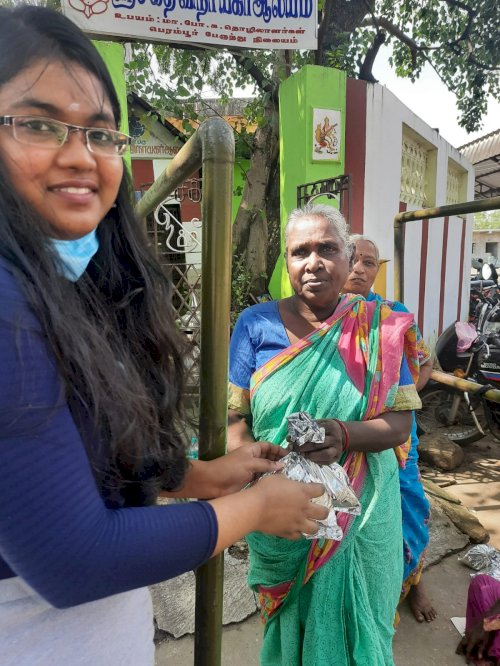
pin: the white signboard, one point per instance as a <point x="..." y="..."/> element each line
<point x="146" y="142"/>
<point x="253" y="24"/>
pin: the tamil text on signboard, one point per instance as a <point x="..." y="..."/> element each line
<point x="264" y="24"/>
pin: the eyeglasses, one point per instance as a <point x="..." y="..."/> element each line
<point x="48" y="133"/>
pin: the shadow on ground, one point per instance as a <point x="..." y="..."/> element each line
<point x="477" y="483"/>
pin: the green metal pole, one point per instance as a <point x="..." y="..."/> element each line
<point x="182" y="166"/>
<point x="218" y="167"/>
<point x="400" y="220"/>
<point x="212" y="146"/>
<point x="399" y="253"/>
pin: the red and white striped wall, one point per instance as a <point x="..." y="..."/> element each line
<point x="438" y="251"/>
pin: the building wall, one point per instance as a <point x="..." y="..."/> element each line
<point x="483" y="244"/>
<point x="437" y="250"/>
<point x="355" y="154"/>
<point x="310" y="88"/>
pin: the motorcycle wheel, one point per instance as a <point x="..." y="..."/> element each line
<point x="436" y="405"/>
<point x="492" y="412"/>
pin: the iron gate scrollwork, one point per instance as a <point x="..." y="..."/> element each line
<point x="177" y="245"/>
<point x="338" y="188"/>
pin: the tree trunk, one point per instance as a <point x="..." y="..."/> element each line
<point x="251" y="227"/>
<point x="339" y="19"/>
<point x="256" y="230"/>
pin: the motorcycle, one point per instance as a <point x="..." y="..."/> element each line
<point x="466" y="417"/>
<point x="483" y="288"/>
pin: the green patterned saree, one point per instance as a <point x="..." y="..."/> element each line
<point x="328" y="603"/>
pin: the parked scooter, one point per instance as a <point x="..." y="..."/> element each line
<point x="466" y="417"/>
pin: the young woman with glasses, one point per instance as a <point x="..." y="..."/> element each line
<point x="91" y="379"/>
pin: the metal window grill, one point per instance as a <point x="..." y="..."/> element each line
<point x="413" y="172"/>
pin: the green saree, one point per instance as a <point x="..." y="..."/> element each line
<point x="324" y="602"/>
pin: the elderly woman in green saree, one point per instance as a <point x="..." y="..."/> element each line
<point x="352" y="365"/>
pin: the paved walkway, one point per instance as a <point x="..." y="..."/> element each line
<point x="477" y="483"/>
<point x="478" y="486"/>
<point x="415" y="645"/>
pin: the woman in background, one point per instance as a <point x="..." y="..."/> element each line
<point x="414" y="503"/>
<point x="481" y="643"/>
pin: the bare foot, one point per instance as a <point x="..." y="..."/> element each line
<point x="420" y="604"/>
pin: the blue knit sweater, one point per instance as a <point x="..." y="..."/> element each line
<point x="56" y="531"/>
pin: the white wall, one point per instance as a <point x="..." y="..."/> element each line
<point x="413" y="241"/>
<point x="385" y="117"/>
<point x="452" y="286"/>
<point x="480" y="238"/>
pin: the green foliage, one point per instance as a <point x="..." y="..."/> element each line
<point x="351" y="46"/>
<point x="488" y="220"/>
<point x="51" y="4"/>
<point x="459" y="38"/>
<point x="241" y="288"/>
<point x="172" y="79"/>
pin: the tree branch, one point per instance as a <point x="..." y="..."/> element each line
<point x="460" y="5"/>
<point x="381" y="22"/>
<point x="470" y="20"/>
<point x="256" y="73"/>
<point x="365" y="70"/>
<point x="482" y="65"/>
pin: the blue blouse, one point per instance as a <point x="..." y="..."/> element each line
<point x="259" y="335"/>
<point x="397" y="306"/>
<point x="56" y="531"/>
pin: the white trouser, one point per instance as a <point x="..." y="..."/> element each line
<point x="117" y="631"/>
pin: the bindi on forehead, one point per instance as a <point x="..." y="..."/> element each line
<point x="366" y="255"/>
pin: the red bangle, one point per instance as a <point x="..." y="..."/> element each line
<point x="345" y="434"/>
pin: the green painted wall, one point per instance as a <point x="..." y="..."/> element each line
<point x="113" y="55"/>
<point x="311" y="87"/>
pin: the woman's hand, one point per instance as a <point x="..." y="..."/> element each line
<point x="275" y="505"/>
<point x="328" y="451"/>
<point x="474" y="645"/>
<point x="238" y="431"/>
<point x="286" y="507"/>
<point x="230" y="473"/>
<point x="235" y="470"/>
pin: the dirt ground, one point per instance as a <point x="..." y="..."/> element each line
<point x="477" y="483"/>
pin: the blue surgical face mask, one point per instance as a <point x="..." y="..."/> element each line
<point x="75" y="255"/>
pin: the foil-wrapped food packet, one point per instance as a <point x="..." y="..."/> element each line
<point x="483" y="559"/>
<point x="339" y="495"/>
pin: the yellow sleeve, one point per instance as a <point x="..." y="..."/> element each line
<point x="239" y="399"/>
<point x="407" y="399"/>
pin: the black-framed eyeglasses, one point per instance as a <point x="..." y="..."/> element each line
<point x="53" y="134"/>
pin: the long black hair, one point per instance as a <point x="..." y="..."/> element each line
<point x="113" y="333"/>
